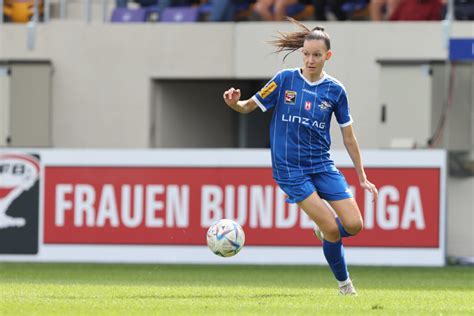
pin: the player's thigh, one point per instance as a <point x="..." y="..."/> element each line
<point x="348" y="212"/>
<point x="333" y="187"/>
<point x="319" y="212"/>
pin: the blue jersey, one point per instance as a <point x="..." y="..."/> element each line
<point x="299" y="131"/>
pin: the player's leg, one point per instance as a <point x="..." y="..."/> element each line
<point x="317" y="231"/>
<point x="349" y="216"/>
<point x="333" y="187"/>
<point x="319" y="212"/>
<point x="333" y="249"/>
<point x="303" y="192"/>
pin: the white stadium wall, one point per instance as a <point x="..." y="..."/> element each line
<point x="460" y="217"/>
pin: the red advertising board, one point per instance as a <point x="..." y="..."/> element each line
<point x="175" y="206"/>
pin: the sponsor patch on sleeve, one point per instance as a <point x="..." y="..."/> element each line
<point x="265" y="92"/>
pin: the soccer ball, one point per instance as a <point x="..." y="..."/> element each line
<point x="225" y="238"/>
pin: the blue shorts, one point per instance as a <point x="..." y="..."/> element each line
<point x="330" y="186"/>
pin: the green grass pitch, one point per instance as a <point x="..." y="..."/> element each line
<point x="96" y="289"/>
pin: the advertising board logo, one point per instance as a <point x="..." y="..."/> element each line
<point x="19" y="195"/>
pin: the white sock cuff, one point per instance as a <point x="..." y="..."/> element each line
<point x="342" y="283"/>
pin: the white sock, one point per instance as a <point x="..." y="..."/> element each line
<point x="342" y="283"/>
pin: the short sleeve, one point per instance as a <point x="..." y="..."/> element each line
<point x="342" y="112"/>
<point x="268" y="96"/>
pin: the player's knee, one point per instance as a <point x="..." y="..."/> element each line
<point x="331" y="233"/>
<point x="354" y="227"/>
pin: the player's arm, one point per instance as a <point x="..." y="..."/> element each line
<point x="352" y="147"/>
<point x="232" y="99"/>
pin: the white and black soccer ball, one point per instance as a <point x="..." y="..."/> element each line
<point x="225" y="238"/>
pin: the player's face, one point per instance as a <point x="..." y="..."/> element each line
<point x="315" y="54"/>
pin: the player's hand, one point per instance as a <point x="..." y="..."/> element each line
<point x="231" y="97"/>
<point x="369" y="186"/>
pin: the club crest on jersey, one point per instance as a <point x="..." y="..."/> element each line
<point x="265" y="92"/>
<point x="325" y="105"/>
<point x="307" y="105"/>
<point x="290" y="97"/>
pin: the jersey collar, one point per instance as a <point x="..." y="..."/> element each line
<point x="312" y="83"/>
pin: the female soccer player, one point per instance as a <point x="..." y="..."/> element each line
<point x="304" y="100"/>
